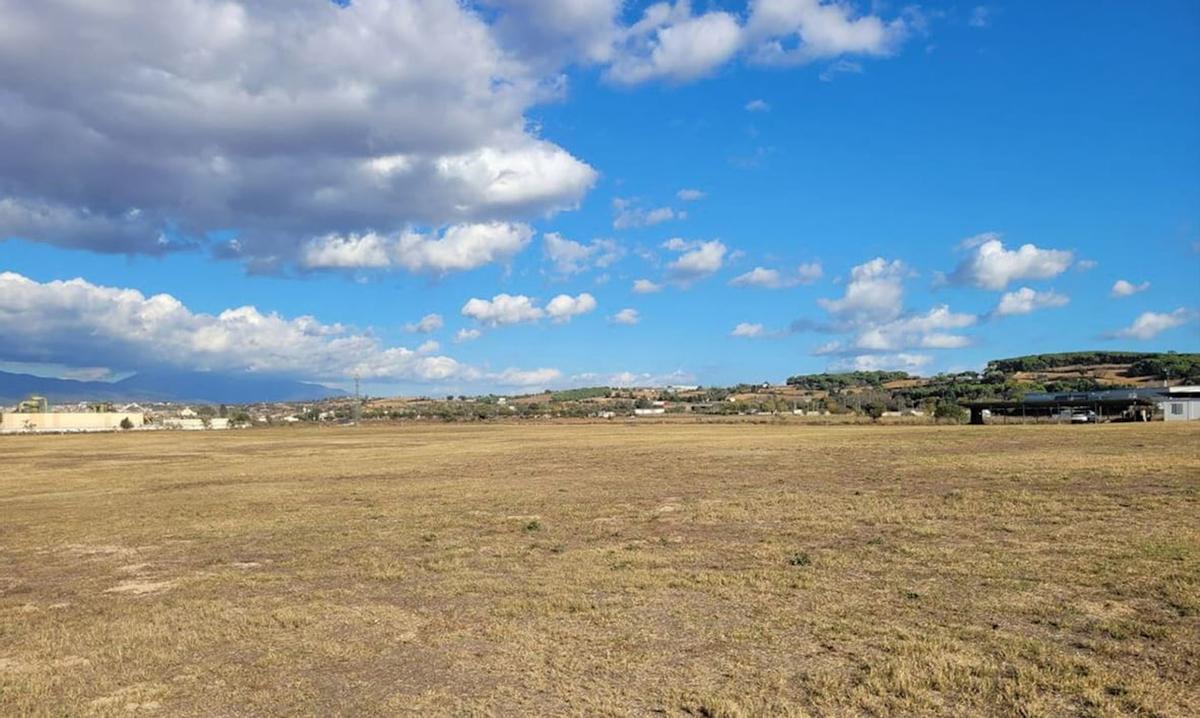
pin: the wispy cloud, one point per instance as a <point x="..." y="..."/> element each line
<point x="1150" y="324"/>
<point x="775" y="279"/>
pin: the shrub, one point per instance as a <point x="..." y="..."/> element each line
<point x="126" y="423"/>
<point x="949" y="411"/>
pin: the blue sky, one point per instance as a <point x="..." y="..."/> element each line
<point x="936" y="141"/>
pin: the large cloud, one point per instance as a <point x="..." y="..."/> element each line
<point x="935" y="329"/>
<point x="991" y="266"/>
<point x="931" y="330"/>
<point x="871" y="311"/>
<point x="283" y="120"/>
<point x="162" y="124"/>
<point x="59" y="321"/>
<point x="874" y="293"/>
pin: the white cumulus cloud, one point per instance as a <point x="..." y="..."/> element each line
<point x="696" y="260"/>
<point x="792" y="32"/>
<point x="506" y="309"/>
<point x="1124" y="288"/>
<point x="57" y="322"/>
<point x="645" y="286"/>
<point x="902" y="361"/>
<point x="503" y="309"/>
<point x="931" y="330"/>
<point x="874" y="293"/>
<point x="671" y="43"/>
<point x="747" y="330"/>
<point x="427" y="324"/>
<point x="991" y="266"/>
<point x="563" y="307"/>
<point x="626" y="316"/>
<point x="1026" y="301"/>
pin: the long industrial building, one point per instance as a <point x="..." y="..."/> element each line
<point x="1175" y="403"/>
<point x="67" y="421"/>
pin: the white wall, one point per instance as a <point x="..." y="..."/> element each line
<point x="68" y="421"/>
<point x="196" y="424"/>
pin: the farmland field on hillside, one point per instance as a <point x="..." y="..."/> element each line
<point x="603" y="569"/>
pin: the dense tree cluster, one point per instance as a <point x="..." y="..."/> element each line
<point x="1170" y="365"/>
<point x="590" y="392"/>
<point x="845" y="380"/>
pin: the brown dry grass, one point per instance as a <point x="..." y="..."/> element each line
<point x="609" y="569"/>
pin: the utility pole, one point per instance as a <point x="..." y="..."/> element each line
<point x="356" y="410"/>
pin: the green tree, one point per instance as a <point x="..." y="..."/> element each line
<point x="875" y="410"/>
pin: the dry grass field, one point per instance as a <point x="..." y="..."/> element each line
<point x="607" y="569"/>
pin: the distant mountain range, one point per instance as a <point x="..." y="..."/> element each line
<point x="197" y="387"/>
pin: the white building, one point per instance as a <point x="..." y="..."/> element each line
<point x="1181" y="403"/>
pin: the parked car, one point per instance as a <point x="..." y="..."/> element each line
<point x="1083" y="417"/>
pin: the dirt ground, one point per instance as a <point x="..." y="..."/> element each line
<point x="604" y="569"/>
